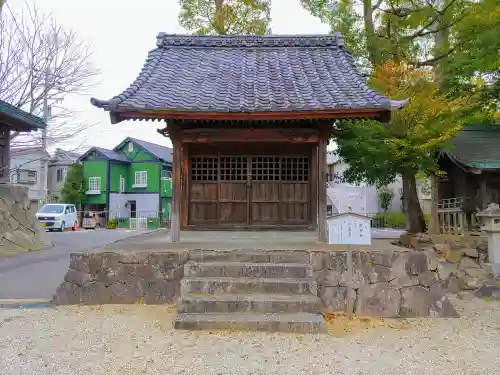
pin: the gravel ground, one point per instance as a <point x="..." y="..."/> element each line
<point x="139" y="340"/>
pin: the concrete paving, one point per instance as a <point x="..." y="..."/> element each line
<point x="230" y="240"/>
<point x="36" y="275"/>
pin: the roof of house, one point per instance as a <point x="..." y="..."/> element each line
<point x="476" y="146"/>
<point x="19" y="119"/>
<point x="161" y="152"/>
<point x="63" y="157"/>
<point x="246" y="74"/>
<point x="20" y="151"/>
<point x="108" y="154"/>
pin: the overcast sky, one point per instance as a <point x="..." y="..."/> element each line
<point x="120" y="34"/>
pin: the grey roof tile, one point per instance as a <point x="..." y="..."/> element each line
<point x="231" y="74"/>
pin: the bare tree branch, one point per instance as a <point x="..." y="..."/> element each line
<point x="41" y="59"/>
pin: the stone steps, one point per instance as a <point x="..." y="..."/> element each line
<point x="289" y="322"/>
<point x="250" y="256"/>
<point x="241" y="303"/>
<point x="249" y="290"/>
<point x="241" y="285"/>
<point x="243" y="269"/>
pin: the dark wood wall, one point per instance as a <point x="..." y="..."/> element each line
<point x="249" y="185"/>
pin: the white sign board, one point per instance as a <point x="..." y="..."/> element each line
<point x="349" y="229"/>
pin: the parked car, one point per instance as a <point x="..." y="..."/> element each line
<point x="57" y="216"/>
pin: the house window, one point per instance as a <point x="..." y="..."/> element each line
<point x="32" y="174"/>
<point x="130" y="147"/>
<point x="122" y="184"/>
<point x="165" y="173"/>
<point x="95" y="184"/>
<point x="141" y="179"/>
<point x="61" y="174"/>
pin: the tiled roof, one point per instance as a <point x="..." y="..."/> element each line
<point x="161" y="152"/>
<point x="18" y="115"/>
<point x="477" y="146"/>
<point x="247" y="74"/>
<point x="108" y="154"/>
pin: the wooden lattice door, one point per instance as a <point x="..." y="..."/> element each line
<point x="295" y="190"/>
<point x="249" y="190"/>
<point x="233" y="190"/>
<point x="265" y="189"/>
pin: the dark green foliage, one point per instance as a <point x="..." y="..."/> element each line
<point x="73" y="189"/>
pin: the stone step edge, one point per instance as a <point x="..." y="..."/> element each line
<point x="254" y="297"/>
<point x="245" y="264"/>
<point x="263" y="280"/>
<point x="282" y="322"/>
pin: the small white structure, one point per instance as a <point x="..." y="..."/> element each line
<point x="491" y="225"/>
<point x="349" y="229"/>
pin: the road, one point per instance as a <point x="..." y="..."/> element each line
<point x="36" y="275"/>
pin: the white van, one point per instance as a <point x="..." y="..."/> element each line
<point x="57" y="216"/>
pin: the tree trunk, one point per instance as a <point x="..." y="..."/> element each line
<point x="219" y="22"/>
<point x="371" y="39"/>
<point x="415" y="222"/>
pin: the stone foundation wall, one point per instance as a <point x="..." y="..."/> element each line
<point x="404" y="284"/>
<point x="401" y="283"/>
<point x="121" y="278"/>
<point x="20" y="231"/>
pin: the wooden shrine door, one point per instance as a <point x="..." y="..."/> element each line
<point x="238" y="191"/>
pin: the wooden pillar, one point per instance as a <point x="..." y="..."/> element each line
<point x="185" y="185"/>
<point x="175" y="230"/>
<point x="314" y="186"/>
<point x="4" y="153"/>
<point x="483" y="191"/>
<point x="322" y="190"/>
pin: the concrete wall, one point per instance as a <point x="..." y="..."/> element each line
<point x="144" y="202"/>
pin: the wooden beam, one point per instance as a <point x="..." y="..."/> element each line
<point x="322" y="190"/>
<point x="249" y="135"/>
<point x="277" y="115"/>
<point x="176" y="193"/>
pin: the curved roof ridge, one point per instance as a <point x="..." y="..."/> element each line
<point x="254" y="41"/>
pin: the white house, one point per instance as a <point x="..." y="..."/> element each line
<point x="361" y="198"/>
<point x="27" y="168"/>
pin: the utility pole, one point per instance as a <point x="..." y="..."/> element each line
<point x="46" y="115"/>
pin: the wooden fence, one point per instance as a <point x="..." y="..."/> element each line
<point x="452" y="217"/>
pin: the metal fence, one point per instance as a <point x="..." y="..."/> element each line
<point x="89" y="219"/>
<point x="393" y="220"/>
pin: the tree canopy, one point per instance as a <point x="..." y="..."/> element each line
<point x="225" y="17"/>
<point x="408" y="144"/>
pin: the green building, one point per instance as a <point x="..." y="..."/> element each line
<point x="131" y="181"/>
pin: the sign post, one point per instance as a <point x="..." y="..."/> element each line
<point x="349" y="229"/>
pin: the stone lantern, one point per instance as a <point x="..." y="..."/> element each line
<point x="490" y="218"/>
